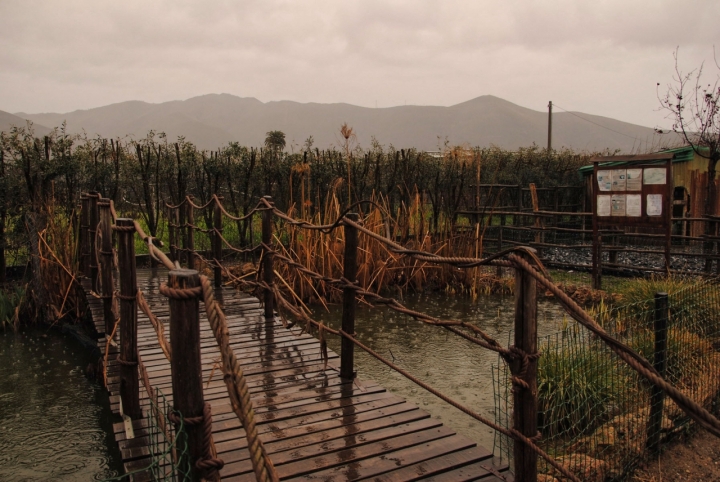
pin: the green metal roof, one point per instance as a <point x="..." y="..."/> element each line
<point x="682" y="154"/>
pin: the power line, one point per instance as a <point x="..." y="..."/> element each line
<point x="599" y="125"/>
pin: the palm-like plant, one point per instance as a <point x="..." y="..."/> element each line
<point x="275" y="141"/>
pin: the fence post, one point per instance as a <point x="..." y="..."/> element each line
<point x="267" y="256"/>
<point x="525" y="399"/>
<point x="129" y="384"/>
<point x="347" y="347"/>
<point x="172" y="232"/>
<point x="84" y="249"/>
<point x="190" y="236"/>
<point x="499" y="269"/>
<point x="185" y="366"/>
<point x="217" y="242"/>
<point x="657" y="396"/>
<point x="106" y="264"/>
<point x="92" y="231"/>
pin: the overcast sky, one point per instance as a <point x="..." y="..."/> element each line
<point x="599" y="57"/>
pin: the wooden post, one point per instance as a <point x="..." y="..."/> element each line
<point x="129" y="383"/>
<point x="84" y="255"/>
<point x="657" y="396"/>
<point x="516" y="219"/>
<point x="106" y="264"/>
<point x="596" y="240"/>
<point x="499" y="269"/>
<point x="172" y="232"/>
<point x="347" y="347"/>
<point x="670" y="182"/>
<point x="92" y="230"/>
<point x="190" y="236"/>
<point x="525" y="400"/>
<point x="217" y="242"/>
<point x="268" y="273"/>
<point x="185" y="367"/>
<point x="3" y="217"/>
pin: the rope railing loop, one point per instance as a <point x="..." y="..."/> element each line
<point x="236" y="385"/>
<point x="127" y="363"/>
<point x="180" y="293"/>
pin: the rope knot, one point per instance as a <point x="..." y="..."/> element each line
<point x="180" y="293"/>
<point x="518" y="376"/>
<point x="124" y="362"/>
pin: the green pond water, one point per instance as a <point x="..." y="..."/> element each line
<point x="54" y="421"/>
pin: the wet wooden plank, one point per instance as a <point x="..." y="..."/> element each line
<point x="315" y="425"/>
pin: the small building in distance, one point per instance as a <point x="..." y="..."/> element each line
<point x="690" y="178"/>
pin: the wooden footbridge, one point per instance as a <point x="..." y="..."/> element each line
<point x="315" y="425"/>
<point x="239" y="395"/>
<point x="315" y="420"/>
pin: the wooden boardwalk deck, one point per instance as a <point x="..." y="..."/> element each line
<point x="315" y="425"/>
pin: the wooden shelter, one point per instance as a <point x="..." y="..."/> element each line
<point x="690" y="178"/>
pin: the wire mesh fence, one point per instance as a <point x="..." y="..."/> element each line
<point x="594" y="412"/>
<point x="167" y="445"/>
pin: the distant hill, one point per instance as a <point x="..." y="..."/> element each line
<point x="213" y="120"/>
<point x="8" y="121"/>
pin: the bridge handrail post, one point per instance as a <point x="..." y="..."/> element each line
<point x="525" y="399"/>
<point x="217" y="242"/>
<point x="347" y="347"/>
<point x="190" y="235"/>
<point x="106" y="264"/>
<point x="185" y="366"/>
<point x="657" y="397"/>
<point x="267" y="256"/>
<point x="129" y="382"/>
<point x="92" y="230"/>
<point x="83" y="248"/>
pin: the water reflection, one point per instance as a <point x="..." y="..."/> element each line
<point x="447" y="362"/>
<point x="54" y="422"/>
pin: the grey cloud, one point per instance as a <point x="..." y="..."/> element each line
<point x="599" y="57"/>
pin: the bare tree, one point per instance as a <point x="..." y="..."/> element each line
<point x="692" y="103"/>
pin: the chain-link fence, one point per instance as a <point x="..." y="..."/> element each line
<point x="595" y="414"/>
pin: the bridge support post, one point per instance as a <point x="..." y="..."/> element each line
<point x="217" y="242"/>
<point x="186" y="368"/>
<point x="83" y="246"/>
<point x="268" y="273"/>
<point x="657" y="397"/>
<point x="347" y="347"/>
<point x="129" y="383"/>
<point x="525" y="399"/>
<point x="190" y="235"/>
<point x="106" y="264"/>
<point x="92" y="231"/>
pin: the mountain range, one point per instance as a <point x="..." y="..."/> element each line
<point x="211" y="121"/>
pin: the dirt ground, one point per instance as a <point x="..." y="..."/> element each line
<point x="695" y="457"/>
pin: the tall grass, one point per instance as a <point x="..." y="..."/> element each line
<point x="11" y="303"/>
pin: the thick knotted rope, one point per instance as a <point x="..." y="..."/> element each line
<point x="237" y="386"/>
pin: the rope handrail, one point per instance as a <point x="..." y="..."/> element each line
<point x="512" y="433"/>
<point x="236" y="385"/>
<point x="627" y="354"/>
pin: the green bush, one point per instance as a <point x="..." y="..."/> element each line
<point x="579" y="387"/>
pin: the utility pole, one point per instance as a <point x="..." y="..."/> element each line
<point x="549" y="126"/>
